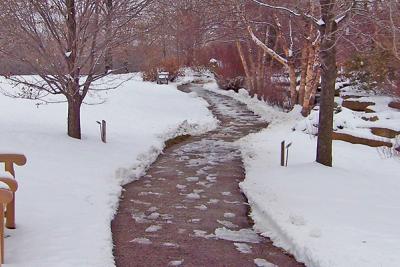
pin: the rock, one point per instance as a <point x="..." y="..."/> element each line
<point x="350" y="96"/>
<point x="394" y="104"/>
<point x="358" y="105"/>
<point x="359" y="140"/>
<point x="384" y="132"/>
<point x="373" y="118"/>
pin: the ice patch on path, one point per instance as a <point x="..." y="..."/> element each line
<point x="227" y="224"/>
<point x="140" y="202"/>
<point x="192" y="179"/>
<point x="229" y="215"/>
<point x="153" y="228"/>
<point x="203" y="234"/>
<point x="243" y="235"/>
<point x="201" y="207"/>
<point x="181" y="187"/>
<point x="193" y="196"/>
<point x="226" y="193"/>
<point x="154" y="216"/>
<point x="176" y="263"/>
<point x="152" y="209"/>
<point x="140" y="217"/>
<point x="263" y="263"/>
<point x="213" y="201"/>
<point x="243" y="248"/>
<point x="198" y="191"/>
<point x="170" y="245"/>
<point x="141" y="241"/>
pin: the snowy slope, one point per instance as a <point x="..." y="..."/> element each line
<point x="342" y="216"/>
<point x="69" y="189"/>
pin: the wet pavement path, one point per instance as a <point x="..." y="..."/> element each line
<point x="188" y="210"/>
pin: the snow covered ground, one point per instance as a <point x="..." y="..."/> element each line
<point x="342" y="216"/>
<point x="69" y="188"/>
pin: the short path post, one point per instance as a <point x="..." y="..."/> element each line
<point x="287" y="153"/>
<point x="103" y="130"/>
<point x="283" y="153"/>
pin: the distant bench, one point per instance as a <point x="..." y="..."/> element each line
<point x="162" y="77"/>
<point x="8" y="187"/>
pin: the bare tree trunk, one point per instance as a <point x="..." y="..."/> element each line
<point x="309" y="81"/>
<point x="293" y="82"/>
<point x="303" y="77"/>
<point x="328" y="76"/>
<point x="316" y="79"/>
<point x="245" y="65"/>
<point x="108" y="58"/>
<point x="74" y="117"/>
<point x="73" y="95"/>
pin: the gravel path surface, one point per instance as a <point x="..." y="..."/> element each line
<point x="188" y="210"/>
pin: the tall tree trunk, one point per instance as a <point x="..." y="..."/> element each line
<point x="108" y="57"/>
<point x="328" y="80"/>
<point x="73" y="95"/>
<point x="293" y="82"/>
<point x="245" y="66"/>
<point x="309" y="81"/>
<point x="303" y="77"/>
<point x="74" y="117"/>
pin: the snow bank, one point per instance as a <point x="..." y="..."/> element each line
<point x="69" y="189"/>
<point x="342" y="216"/>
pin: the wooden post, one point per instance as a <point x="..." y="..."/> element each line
<point x="283" y="153"/>
<point x="104" y="131"/>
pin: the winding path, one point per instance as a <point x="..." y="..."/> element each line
<point x="188" y="210"/>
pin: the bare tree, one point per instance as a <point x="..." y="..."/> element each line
<point x="65" y="44"/>
<point x="332" y="13"/>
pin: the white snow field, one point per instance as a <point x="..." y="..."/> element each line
<point x="69" y="189"/>
<point x="347" y="215"/>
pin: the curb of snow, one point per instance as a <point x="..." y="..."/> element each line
<point x="144" y="160"/>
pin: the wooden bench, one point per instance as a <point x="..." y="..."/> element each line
<point x="162" y="77"/>
<point x="8" y="187"/>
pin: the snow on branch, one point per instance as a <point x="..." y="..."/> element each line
<point x="279" y="8"/>
<point x="290" y="11"/>
<point x="271" y="52"/>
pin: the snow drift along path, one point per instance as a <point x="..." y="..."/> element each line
<point x="69" y="189"/>
<point x="326" y="217"/>
<point x="188" y="209"/>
